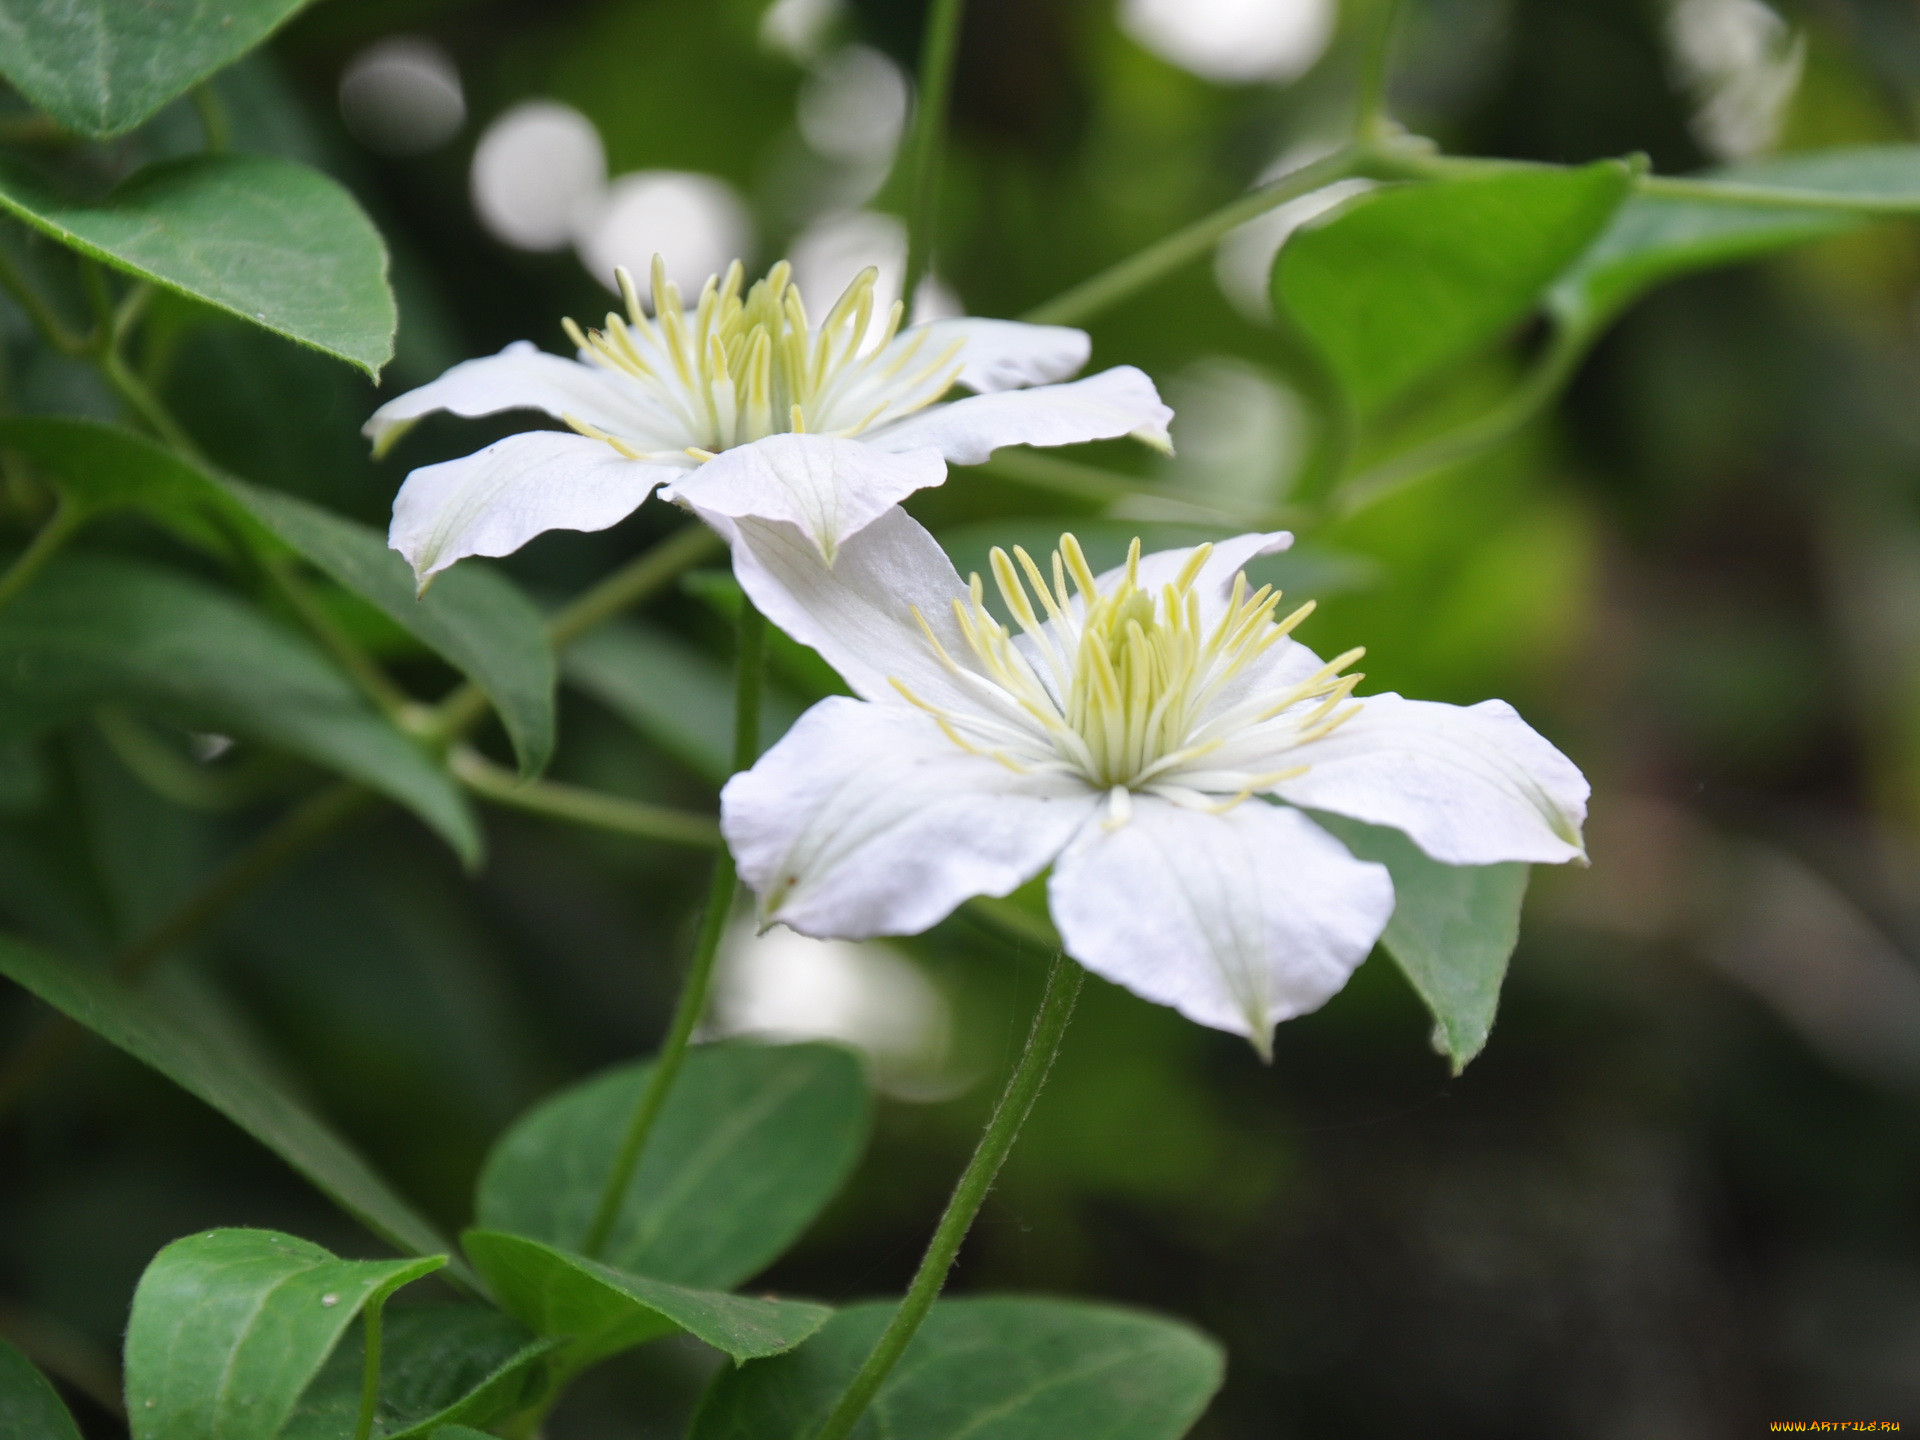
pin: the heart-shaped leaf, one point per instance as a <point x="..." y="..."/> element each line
<point x="440" y="1365"/>
<point x="750" y="1145"/>
<point x="157" y="1032"/>
<point x="103" y="66"/>
<point x="603" y="1311"/>
<point x="986" y="1369"/>
<point x="1452" y="932"/>
<point x="91" y="630"/>
<point x="29" y="1407"/>
<point x="268" y="240"/>
<point x="1412" y="279"/>
<point x="230" y="1326"/>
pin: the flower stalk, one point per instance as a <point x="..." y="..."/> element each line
<point x="713" y="925"/>
<point x="1016" y="1103"/>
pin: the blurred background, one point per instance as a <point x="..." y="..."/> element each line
<point x="1679" y="1195"/>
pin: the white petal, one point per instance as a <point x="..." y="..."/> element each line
<point x="1470" y="785"/>
<point x="520" y="377"/>
<point x="858" y="611"/>
<point x="826" y="486"/>
<point x="865" y="820"/>
<point x="1121" y="401"/>
<point x="493" y="501"/>
<point x="1006" y="354"/>
<point x="1238" y="921"/>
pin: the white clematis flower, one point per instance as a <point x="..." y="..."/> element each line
<point x="739" y="406"/>
<point x="1135" y="734"/>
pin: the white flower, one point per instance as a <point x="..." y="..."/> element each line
<point x="739" y="407"/>
<point x="1134" y="734"/>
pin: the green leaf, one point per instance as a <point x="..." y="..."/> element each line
<point x="30" y="1408"/>
<point x="474" y="618"/>
<point x="151" y="1028"/>
<point x="99" y="468"/>
<point x="270" y="241"/>
<point x="675" y="694"/>
<point x="603" y="1311"/>
<point x="1654" y="238"/>
<point x="103" y="66"/>
<point x="1413" y="279"/>
<point x="1452" y="932"/>
<point x="229" y="1327"/>
<point x="987" y="1369"/>
<point x="440" y="1365"/>
<point x="752" y="1142"/>
<point x="91" y="630"/>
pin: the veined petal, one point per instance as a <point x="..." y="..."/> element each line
<point x="1237" y="920"/>
<point x="1000" y="355"/>
<point x="825" y="486"/>
<point x="865" y="820"/>
<point x="493" y="501"/>
<point x="520" y="377"/>
<point x="1470" y="785"/>
<point x="1120" y="401"/>
<point x="857" y="612"/>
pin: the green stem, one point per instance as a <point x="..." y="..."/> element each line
<point x="713" y="925"/>
<point x="65" y="520"/>
<point x="313" y="818"/>
<point x="937" y="53"/>
<point x="39" y="310"/>
<point x="580" y="806"/>
<point x="213" y="117"/>
<point x="370" y="1376"/>
<point x="1163" y="257"/>
<point x="371" y="680"/>
<point x="1371" y="120"/>
<point x="1038" y="470"/>
<point x="638" y="580"/>
<point x="279" y="843"/>
<point x="1528" y="399"/>
<point x="1023" y="1087"/>
<point x="1725" y="192"/>
<point x="641" y="578"/>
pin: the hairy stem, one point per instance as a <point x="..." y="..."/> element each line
<point x="713" y="926"/>
<point x="924" y="147"/>
<point x="581" y="806"/>
<point x="1163" y="257"/>
<point x="1016" y="1101"/>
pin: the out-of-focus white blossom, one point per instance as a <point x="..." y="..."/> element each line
<point x="538" y="173"/>
<point x="1234" y="41"/>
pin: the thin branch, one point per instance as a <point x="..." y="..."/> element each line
<point x="749" y="664"/>
<point x="1525" y="402"/>
<point x="580" y="806"/>
<point x="66" y="519"/>
<point x="1163" y="257"/>
<point x="1016" y="1102"/>
<point x="39" y="309"/>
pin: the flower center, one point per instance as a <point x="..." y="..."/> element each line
<point x="1128" y="689"/>
<point x="737" y="367"/>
